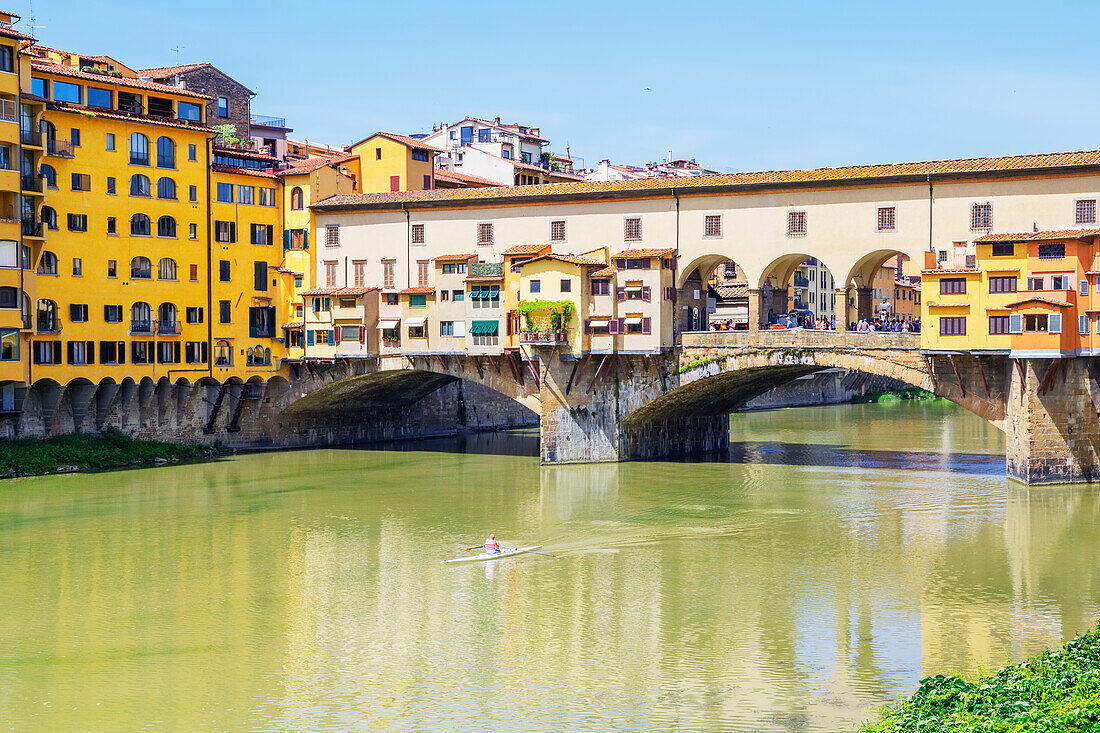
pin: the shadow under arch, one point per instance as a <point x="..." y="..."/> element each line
<point x="394" y="388"/>
<point x="704" y="265"/>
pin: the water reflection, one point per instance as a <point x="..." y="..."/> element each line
<point x="304" y="590"/>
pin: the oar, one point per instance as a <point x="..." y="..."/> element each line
<point x="532" y="552"/>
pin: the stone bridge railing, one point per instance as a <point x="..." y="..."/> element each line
<point x="801" y="338"/>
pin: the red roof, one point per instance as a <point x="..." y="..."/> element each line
<point x="242" y="171"/>
<point x="301" y="167"/>
<point x="12" y="33"/>
<point x="527" y="249"/>
<point x="454" y="258"/>
<point x="1039" y="236"/>
<point x="1040" y="299"/>
<point x="647" y="252"/>
<point x="75" y="73"/>
<point x="162" y="72"/>
<point x="571" y="259"/>
<point x="605" y="272"/>
<point x="142" y="119"/>
<point x="418" y="290"/>
<point x="319" y="291"/>
<point x="405" y="140"/>
<point x="442" y="174"/>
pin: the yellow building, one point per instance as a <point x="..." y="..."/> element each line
<point x="389" y="162"/>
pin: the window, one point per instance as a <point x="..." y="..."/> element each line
<point x="321" y="305"/>
<point x="1054" y="251"/>
<point x="1060" y="282"/>
<point x="261" y="322"/>
<point x="1086" y="211"/>
<point x="259" y="275"/>
<point x="224" y="193"/>
<point x="189" y="111"/>
<point x="112" y="314"/>
<point x="47" y="316"/>
<point x="223" y="271"/>
<point x="74" y="137"/>
<point x="82" y="182"/>
<point x="427" y="177"/>
<point x="63" y="91"/>
<point x="81" y="352"/>
<point x="886" y="218"/>
<point x="112" y="268"/>
<point x="446" y="328"/>
<point x="223" y="106"/>
<point x="418" y="234"/>
<point x="332" y="235"/>
<point x="998" y="325"/>
<point x="1001" y="285"/>
<point x="166" y="227"/>
<point x="166" y="269"/>
<point x="110" y="135"/>
<point x="1003" y="249"/>
<point x="141" y="318"/>
<point x="225" y="231"/>
<point x="1043" y="323"/>
<point x="141" y="268"/>
<point x="78" y="312"/>
<point x="485" y="233"/>
<point x="981" y="216"/>
<point x="48" y="264"/>
<point x="422" y="273"/>
<point x="796" y="223"/>
<point x="49" y="174"/>
<point x="9" y="297"/>
<point x="296" y="199"/>
<point x="168" y="352"/>
<point x="139" y="149"/>
<point x="357" y="272"/>
<point x="78" y="222"/>
<point x="418" y="300"/>
<point x="953" y="326"/>
<point x="112" y="188"/>
<point x="566" y="285"/>
<point x="166" y="153"/>
<point x="601" y="286"/>
<point x="1082" y="324"/>
<point x="418" y="332"/>
<point x="246" y="194"/>
<point x="330" y="274"/>
<point x="1083" y="288"/>
<point x="632" y="229"/>
<point x="953" y="286"/>
<point x="139" y="185"/>
<point x="140" y="225"/>
<point x="387" y="273"/>
<point x="166" y="189"/>
<point x="78" y="267"/>
<point x="7" y="59"/>
<point x="557" y="230"/>
<point x="1035" y="283"/>
<point x="262" y="233"/>
<point x="47" y="352"/>
<point x="112" y="352"/>
<point x="395" y="183"/>
<point x="536" y="286"/>
<point x="193" y="193"/>
<point x="712" y="225"/>
<point x="192" y="150"/>
<point x="141" y="352"/>
<point x="225" y="308"/>
<point x="194" y="273"/>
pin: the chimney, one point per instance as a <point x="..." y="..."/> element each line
<point x="535" y="131"/>
<point x="496" y="121"/>
<point x="670" y="156"/>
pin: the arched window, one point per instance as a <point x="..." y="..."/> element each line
<point x="166" y="269"/>
<point x="166" y="188"/>
<point x="140" y="225"/>
<point x="139" y="185"/>
<point x="48" y="264"/>
<point x="296" y="198"/>
<point x="9" y="297"/>
<point x="139" y="149"/>
<point x="166" y="315"/>
<point x="141" y="268"/>
<point x="166" y="153"/>
<point x="267" y="356"/>
<point x="50" y="175"/>
<point x="49" y="217"/>
<point x="248" y="359"/>
<point x="26" y="311"/>
<point x="141" y="318"/>
<point x="47" y="315"/>
<point x="48" y="131"/>
<point x="223" y="354"/>
<point x="166" y="227"/>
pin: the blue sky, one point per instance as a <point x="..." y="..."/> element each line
<point x="736" y="86"/>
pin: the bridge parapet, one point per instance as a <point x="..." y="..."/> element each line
<point x="801" y="338"/>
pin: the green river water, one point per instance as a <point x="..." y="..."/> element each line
<point x="841" y="554"/>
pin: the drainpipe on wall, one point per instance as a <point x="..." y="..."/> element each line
<point x="675" y="260"/>
<point x="209" y="265"/>
<point x="408" y="247"/>
<point x="931" y="247"/>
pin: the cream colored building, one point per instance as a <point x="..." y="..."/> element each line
<point x="850" y="219"/>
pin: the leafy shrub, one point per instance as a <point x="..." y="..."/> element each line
<point x="89" y="452"/>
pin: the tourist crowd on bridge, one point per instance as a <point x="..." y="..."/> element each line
<point x="894" y="325"/>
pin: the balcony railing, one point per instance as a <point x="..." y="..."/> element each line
<point x="49" y="325"/>
<point x="269" y="121"/>
<point x="547" y="337"/>
<point x="28" y="322"/>
<point x="801" y="282"/>
<point x="956" y="261"/>
<point x="168" y="328"/>
<point x="59" y="148"/>
<point x="31" y="183"/>
<point x="141" y="327"/>
<point x="30" y="137"/>
<point x="7" y="110"/>
<point x="32" y="228"/>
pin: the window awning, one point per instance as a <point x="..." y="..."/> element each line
<point x="634" y="321"/>
<point x="387" y="323"/>
<point x="600" y="318"/>
<point x="415" y="322"/>
<point x="485" y="328"/>
<point x="484" y="292"/>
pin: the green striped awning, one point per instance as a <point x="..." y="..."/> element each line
<point x="485" y="328"/>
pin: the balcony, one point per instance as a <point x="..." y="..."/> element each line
<point x="33" y="228"/>
<point x="801" y="282"/>
<point x="141" y="327"/>
<point x="547" y="337"/>
<point x="268" y="121"/>
<point x="168" y="328"/>
<point x="32" y="138"/>
<point x="7" y="110"/>
<point x="59" y="148"/>
<point x="948" y="260"/>
<point x="30" y="183"/>
<point x="48" y="324"/>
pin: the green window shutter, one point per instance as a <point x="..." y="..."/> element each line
<point x="331" y="336"/>
<point x="286" y="239"/>
<point x="305" y="239"/>
<point x="309" y="337"/>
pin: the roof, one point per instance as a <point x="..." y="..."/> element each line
<point x="726" y="292"/>
<point x="242" y="171"/>
<point x="125" y="81"/>
<point x="162" y="72"/>
<point x="647" y="252"/>
<point x="456" y="177"/>
<point x="413" y="291"/>
<point x="319" y="291"/>
<point x="142" y="119"/>
<point x="526" y="249"/>
<point x="354" y="291"/>
<point x="1052" y="234"/>
<point x="309" y="165"/>
<point x="605" y="272"/>
<point x="294" y="324"/>
<point x="454" y="258"/>
<point x="571" y="259"/>
<point x="1040" y="299"/>
<point x="484" y="278"/>
<point x="405" y="140"/>
<point x="12" y="33"/>
<point x="730" y="182"/>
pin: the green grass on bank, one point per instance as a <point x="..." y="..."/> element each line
<point x="1057" y="691"/>
<point x="911" y="393"/>
<point x="90" y="452"/>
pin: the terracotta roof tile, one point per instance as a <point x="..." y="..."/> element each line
<point x="411" y="142"/>
<point x="141" y="119"/>
<point x="162" y="72"/>
<point x="527" y="249"/>
<point x="605" y="272"/>
<point x="413" y="291"/>
<point x="572" y="259"/>
<point x="736" y="290"/>
<point x="242" y="171"/>
<point x="727" y="181"/>
<point x="484" y="278"/>
<point x="294" y="324"/>
<point x="309" y="165"/>
<point x="455" y="177"/>
<point x="454" y="258"/>
<point x="319" y="291"/>
<point x="1039" y="236"/>
<point x="48" y="67"/>
<point x="12" y="33"/>
<point x="354" y="291"/>
<point x="647" y="252"/>
<point x="1040" y="299"/>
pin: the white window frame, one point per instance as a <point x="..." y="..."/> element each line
<point x="1082" y="324"/>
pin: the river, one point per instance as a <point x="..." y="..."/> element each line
<point x="840" y="555"/>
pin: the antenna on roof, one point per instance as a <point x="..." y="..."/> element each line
<point x="32" y="26"/>
<point x="177" y="49"/>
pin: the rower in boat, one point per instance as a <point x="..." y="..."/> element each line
<point x="491" y="545"/>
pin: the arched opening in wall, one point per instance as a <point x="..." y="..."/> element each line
<point x="44" y="397"/>
<point x="711" y="289"/>
<point x="105" y="395"/>
<point x="883" y="292"/>
<point x="183" y="392"/>
<point x="798" y="291"/>
<point x="145" y="390"/>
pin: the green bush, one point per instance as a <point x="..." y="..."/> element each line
<point x="1057" y="691"/>
<point x="90" y="452"/>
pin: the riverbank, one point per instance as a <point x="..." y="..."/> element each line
<point x="1058" y="690"/>
<point x="93" y="452"/>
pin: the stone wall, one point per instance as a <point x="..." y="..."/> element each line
<point x="829" y="387"/>
<point x="208" y="80"/>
